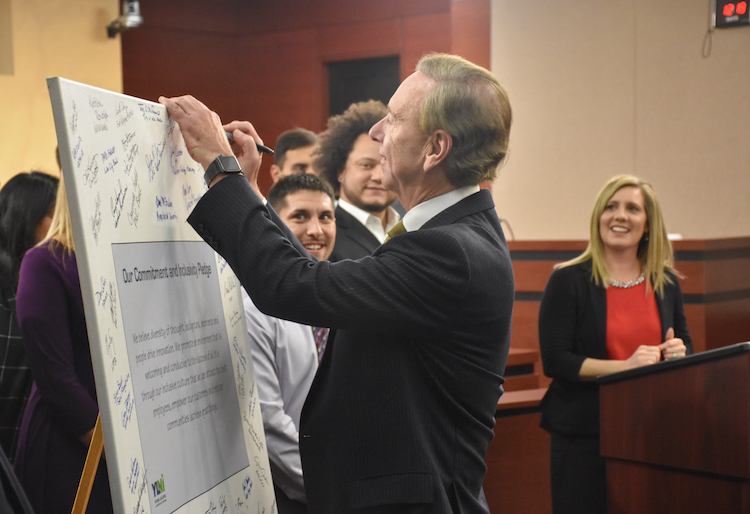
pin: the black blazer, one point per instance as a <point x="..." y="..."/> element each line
<point x="402" y="408"/>
<point x="353" y="239"/>
<point x="572" y="327"/>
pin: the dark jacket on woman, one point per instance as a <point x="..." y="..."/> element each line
<point x="573" y="327"/>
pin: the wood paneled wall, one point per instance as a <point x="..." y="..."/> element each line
<point x="265" y="60"/>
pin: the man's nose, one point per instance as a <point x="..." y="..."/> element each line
<point x="314" y="228"/>
<point x="376" y="131"/>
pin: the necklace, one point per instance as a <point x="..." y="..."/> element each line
<point x="628" y="284"/>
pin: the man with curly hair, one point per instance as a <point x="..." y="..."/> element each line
<point x="348" y="158"/>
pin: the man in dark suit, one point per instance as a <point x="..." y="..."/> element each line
<point x="401" y="412"/>
<point x="349" y="160"/>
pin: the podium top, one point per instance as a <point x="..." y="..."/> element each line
<point x="690" y="360"/>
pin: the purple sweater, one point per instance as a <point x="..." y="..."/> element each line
<point x="62" y="406"/>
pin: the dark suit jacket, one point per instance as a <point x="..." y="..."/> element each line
<point x="402" y="408"/>
<point x="353" y="239"/>
<point x="572" y="327"/>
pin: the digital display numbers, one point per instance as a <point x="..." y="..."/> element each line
<point x="731" y="14"/>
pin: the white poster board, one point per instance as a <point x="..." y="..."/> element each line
<point x="177" y="397"/>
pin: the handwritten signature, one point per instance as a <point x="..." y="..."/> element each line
<point x="91" y="175"/>
<point x="96" y="219"/>
<point x="113" y="302"/>
<point x="153" y="159"/>
<point x="73" y="124"/>
<point x="118" y="201"/>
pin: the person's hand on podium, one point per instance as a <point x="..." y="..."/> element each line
<point x="645" y="355"/>
<point x="673" y="347"/>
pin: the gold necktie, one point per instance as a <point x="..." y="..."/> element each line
<point x="397" y="229"/>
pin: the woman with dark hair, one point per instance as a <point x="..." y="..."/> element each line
<point x="615" y="307"/>
<point x="59" y="420"/>
<point x="26" y="204"/>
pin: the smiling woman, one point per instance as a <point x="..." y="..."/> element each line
<point x="615" y="307"/>
<point x="623" y="224"/>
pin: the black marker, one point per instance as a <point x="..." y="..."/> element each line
<point x="261" y="148"/>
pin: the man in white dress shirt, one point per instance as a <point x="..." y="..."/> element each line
<point x="285" y="356"/>
<point x="348" y="158"/>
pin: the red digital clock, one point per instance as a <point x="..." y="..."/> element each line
<point x="730" y="13"/>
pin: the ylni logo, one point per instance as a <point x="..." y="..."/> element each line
<point x="158" y="486"/>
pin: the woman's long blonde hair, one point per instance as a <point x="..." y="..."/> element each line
<point x="60" y="229"/>
<point x="654" y="251"/>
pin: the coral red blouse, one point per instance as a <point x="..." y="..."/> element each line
<point x="632" y="320"/>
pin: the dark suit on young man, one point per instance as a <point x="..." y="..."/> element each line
<point x="401" y="411"/>
<point x="353" y="239"/>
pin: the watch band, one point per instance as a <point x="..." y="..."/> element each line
<point x="222" y="164"/>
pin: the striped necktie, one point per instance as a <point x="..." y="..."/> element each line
<point x="397" y="229"/>
<point x="320" y="335"/>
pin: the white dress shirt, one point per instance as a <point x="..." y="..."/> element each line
<point x="285" y="361"/>
<point x="372" y="222"/>
<point x="425" y="211"/>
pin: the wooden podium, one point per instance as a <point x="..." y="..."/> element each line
<point x="676" y="435"/>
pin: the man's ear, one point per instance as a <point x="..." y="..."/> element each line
<point x="438" y="147"/>
<point x="275" y="173"/>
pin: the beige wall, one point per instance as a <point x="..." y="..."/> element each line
<point x="51" y="38"/>
<point x="621" y="87"/>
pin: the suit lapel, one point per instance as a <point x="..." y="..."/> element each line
<point x="356" y="233"/>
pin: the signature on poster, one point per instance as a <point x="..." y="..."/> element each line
<point x="222" y="263"/>
<point x="139" y="507"/>
<point x="247" y="486"/>
<point x="153" y="159"/>
<point x="96" y="219"/>
<point x="124" y="113"/>
<point x="111" y="350"/>
<point x="109" y="160"/>
<point x="100" y="113"/>
<point x="190" y="197"/>
<point x="135" y="472"/>
<point x="253" y="434"/>
<point x="235" y="318"/>
<point x="132" y="153"/>
<point x="73" y="123"/>
<point x="151" y="112"/>
<point x="122" y="384"/>
<point x="251" y="405"/>
<point x="102" y="294"/>
<point x="241" y="359"/>
<point x="240" y="382"/>
<point x="113" y="302"/>
<point x="261" y="472"/>
<point x="135" y="202"/>
<point x="117" y="202"/>
<point x="239" y="506"/>
<point x="91" y="175"/>
<point x="78" y="152"/>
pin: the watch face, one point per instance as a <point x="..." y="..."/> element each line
<point x="229" y="164"/>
